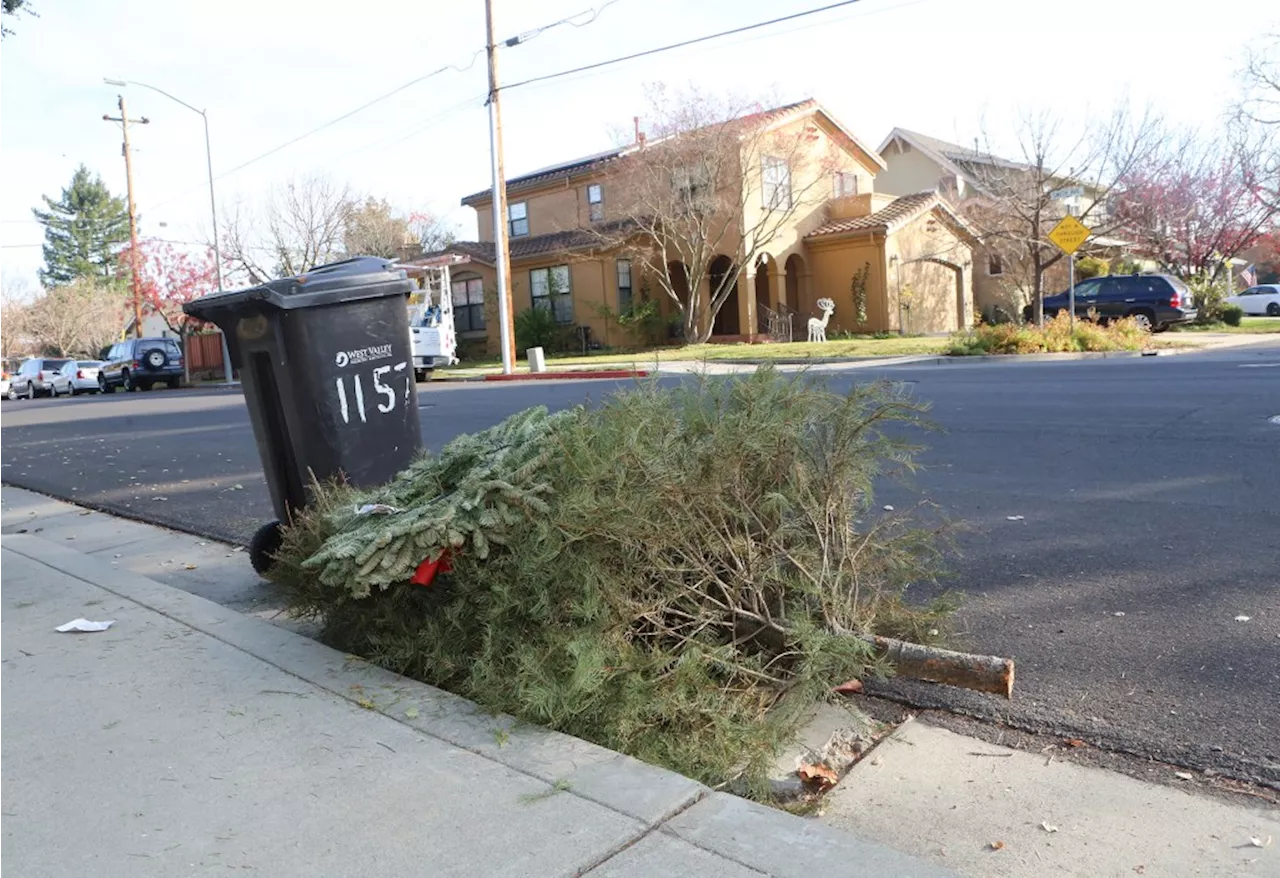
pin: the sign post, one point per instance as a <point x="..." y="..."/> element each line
<point x="1069" y="234"/>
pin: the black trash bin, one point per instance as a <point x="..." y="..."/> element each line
<point x="327" y="369"/>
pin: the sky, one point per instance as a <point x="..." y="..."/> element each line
<point x="267" y="72"/>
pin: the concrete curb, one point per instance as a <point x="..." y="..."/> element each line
<point x="569" y="374"/>
<point x="669" y="804"/>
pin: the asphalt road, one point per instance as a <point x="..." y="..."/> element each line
<point x="1146" y="494"/>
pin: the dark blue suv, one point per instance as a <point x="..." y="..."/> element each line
<point x="141" y="363"/>
<point x="1154" y="301"/>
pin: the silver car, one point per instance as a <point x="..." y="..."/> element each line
<point x="78" y="376"/>
<point x="35" y="377"/>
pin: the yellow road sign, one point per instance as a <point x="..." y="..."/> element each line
<point x="1069" y="234"/>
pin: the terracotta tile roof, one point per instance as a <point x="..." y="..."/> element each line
<point x="886" y="219"/>
<point x="538" y="245"/>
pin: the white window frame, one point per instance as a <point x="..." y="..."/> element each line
<point x="997" y="261"/>
<point x="621" y="265"/>
<point x="595" y="205"/>
<point x="544" y="294"/>
<point x="512" y="219"/>
<point x="775" y="183"/>
<point x="839" y="187"/>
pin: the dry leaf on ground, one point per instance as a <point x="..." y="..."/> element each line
<point x="995" y="845"/>
<point x="849" y="687"/>
<point x="1075" y="742"/>
<point x="819" y="775"/>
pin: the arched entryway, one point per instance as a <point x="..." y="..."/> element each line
<point x="721" y="274"/>
<point x="794" y="287"/>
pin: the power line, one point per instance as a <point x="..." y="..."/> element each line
<point x="681" y="44"/>
<point x="513" y="41"/>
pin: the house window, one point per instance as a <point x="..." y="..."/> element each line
<point x="595" y="202"/>
<point x="517" y="219"/>
<point x="692" y="184"/>
<point x="995" y="265"/>
<point x="468" y="304"/>
<point x="846" y="184"/>
<point x="550" y="289"/>
<point x="776" y="182"/>
<point x="624" y="286"/>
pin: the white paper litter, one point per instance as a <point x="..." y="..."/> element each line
<point x="888" y="509"/>
<point x="84" y="625"/>
<point x="1183" y="775"/>
<point x="1016" y="517"/>
<point x="377" y="509"/>
<point x="1118" y="613"/>
<point x="1048" y="827"/>
<point x="1242" y="618"/>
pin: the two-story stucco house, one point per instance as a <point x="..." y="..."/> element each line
<point x="914" y="252"/>
<point x="916" y="162"/>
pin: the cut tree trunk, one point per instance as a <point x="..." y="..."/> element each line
<point x="982" y="673"/>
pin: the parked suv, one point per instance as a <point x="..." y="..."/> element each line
<point x="140" y="363"/>
<point x="1154" y="301"/>
<point x="35" y="378"/>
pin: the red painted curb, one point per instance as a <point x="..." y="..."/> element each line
<point x="546" y="376"/>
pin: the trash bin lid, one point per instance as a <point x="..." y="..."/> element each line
<point x="361" y="277"/>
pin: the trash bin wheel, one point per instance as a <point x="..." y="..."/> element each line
<point x="262" y="548"/>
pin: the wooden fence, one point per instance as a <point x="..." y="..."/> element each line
<point x="204" y="355"/>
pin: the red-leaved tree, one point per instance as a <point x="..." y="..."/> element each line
<point x="171" y="278"/>
<point x="1192" y="205"/>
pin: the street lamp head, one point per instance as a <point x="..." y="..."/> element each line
<point x="109" y="81"/>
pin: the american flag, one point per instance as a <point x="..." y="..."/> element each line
<point x="1249" y="276"/>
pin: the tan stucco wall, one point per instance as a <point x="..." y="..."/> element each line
<point x="937" y="304"/>
<point x="831" y="267"/>
<point x="558" y="206"/>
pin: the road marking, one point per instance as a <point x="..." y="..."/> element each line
<point x="1275" y="419"/>
<point x="1259" y="365"/>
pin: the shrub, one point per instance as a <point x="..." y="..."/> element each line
<point x="1057" y="336"/>
<point x="1091" y="266"/>
<point x="1232" y="314"/>
<point x="672" y="574"/>
<point x="537" y="327"/>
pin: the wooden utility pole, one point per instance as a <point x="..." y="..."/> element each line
<point x="134" y="256"/>
<point x="502" y="261"/>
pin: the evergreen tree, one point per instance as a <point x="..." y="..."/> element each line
<point x="82" y="231"/>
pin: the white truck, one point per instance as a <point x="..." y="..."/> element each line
<point x="435" y="343"/>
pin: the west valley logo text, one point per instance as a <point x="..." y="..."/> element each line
<point x="363" y="355"/>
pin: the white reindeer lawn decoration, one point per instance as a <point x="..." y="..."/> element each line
<point x="818" y="328"/>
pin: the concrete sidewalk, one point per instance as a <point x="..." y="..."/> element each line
<point x="191" y="739"/>
<point x="247" y="744"/>
<point x="986" y="810"/>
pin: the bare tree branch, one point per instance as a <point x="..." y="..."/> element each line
<point x="1013" y="208"/>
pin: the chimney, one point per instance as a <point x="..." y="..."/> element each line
<point x="639" y="133"/>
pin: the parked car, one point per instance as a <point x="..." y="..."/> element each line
<point x="34" y="378"/>
<point x="1262" y="299"/>
<point x="140" y="364"/>
<point x="1154" y="301"/>
<point x="77" y="376"/>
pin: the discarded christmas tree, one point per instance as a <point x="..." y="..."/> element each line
<point x="674" y="574"/>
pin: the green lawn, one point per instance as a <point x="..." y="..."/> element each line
<point x="1247" y="324"/>
<point x="892" y="346"/>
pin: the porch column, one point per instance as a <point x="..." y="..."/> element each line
<point x="747" y="315"/>
<point x="778" y="288"/>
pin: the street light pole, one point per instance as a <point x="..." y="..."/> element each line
<point x="213" y="204"/>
